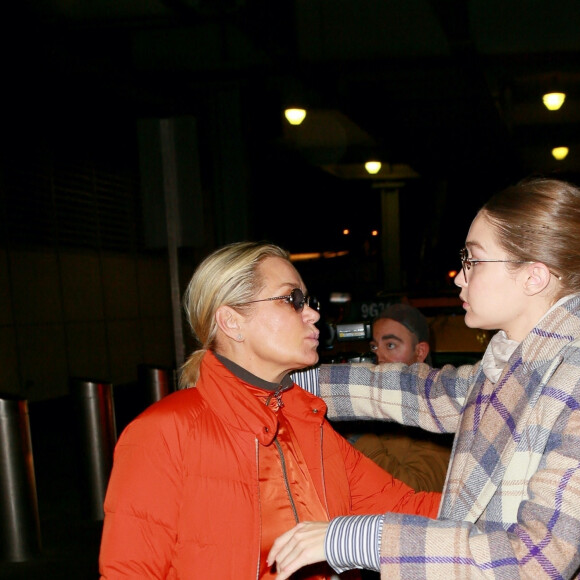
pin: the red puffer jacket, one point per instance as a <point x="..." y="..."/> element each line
<point x="183" y="500"/>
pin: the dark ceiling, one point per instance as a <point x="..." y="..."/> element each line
<point x="443" y="91"/>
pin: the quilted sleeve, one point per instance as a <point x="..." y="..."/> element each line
<point x="142" y="502"/>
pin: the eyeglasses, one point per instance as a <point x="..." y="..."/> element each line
<point x="467" y="262"/>
<point x="296" y="298"/>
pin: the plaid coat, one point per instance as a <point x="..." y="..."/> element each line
<point x="511" y="503"/>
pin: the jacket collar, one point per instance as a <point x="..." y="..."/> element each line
<point x="558" y="326"/>
<point x="228" y="395"/>
<point x="248" y="377"/>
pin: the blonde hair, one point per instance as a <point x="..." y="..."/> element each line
<point x="538" y="219"/>
<point x="228" y="276"/>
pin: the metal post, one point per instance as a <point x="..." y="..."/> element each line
<point x="94" y="409"/>
<point x="391" y="240"/>
<point x="19" y="519"/>
<point x="156" y="382"/>
<point x="170" y="181"/>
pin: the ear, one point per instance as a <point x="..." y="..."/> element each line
<point x="228" y="321"/>
<point x="421" y="351"/>
<point x="537" y="278"/>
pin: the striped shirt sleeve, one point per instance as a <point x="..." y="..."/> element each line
<point x="307" y="379"/>
<point x="354" y="542"/>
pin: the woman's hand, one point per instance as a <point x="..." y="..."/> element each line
<point x="298" y="547"/>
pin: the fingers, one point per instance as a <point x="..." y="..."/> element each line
<point x="300" y="546"/>
<point x="286" y="552"/>
<point x="280" y="544"/>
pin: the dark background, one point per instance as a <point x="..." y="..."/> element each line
<point x="448" y="88"/>
<point x="446" y="93"/>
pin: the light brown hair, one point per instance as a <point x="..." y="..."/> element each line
<point x="538" y="219"/>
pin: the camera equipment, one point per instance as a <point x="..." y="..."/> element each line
<point x="331" y="333"/>
<point x="354" y="331"/>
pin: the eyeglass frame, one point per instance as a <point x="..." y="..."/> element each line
<point x="465" y="260"/>
<point x="467" y="263"/>
<point x="297" y="304"/>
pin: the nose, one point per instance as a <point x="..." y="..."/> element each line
<point x="463" y="281"/>
<point x="310" y="314"/>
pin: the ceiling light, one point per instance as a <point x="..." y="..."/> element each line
<point x="560" y="153"/>
<point x="373" y="167"/>
<point x="295" y="116"/>
<point x="553" y="101"/>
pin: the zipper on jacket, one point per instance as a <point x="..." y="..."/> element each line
<point x="259" y="506"/>
<point x="286" y="485"/>
<point x="285" y="476"/>
<point x="322" y="471"/>
<point x="278" y="396"/>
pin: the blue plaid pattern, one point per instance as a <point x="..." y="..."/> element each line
<point x="511" y="503"/>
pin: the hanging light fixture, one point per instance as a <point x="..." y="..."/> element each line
<point x="560" y="153"/>
<point x="553" y="101"/>
<point x="373" y="167"/>
<point x="294" y="115"/>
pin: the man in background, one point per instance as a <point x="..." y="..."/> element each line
<point x="420" y="459"/>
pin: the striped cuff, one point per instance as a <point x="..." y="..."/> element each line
<point x="354" y="542"/>
<point x="308" y="380"/>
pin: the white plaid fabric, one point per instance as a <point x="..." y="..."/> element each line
<point x="511" y="503"/>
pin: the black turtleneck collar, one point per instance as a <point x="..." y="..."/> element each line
<point x="248" y="377"/>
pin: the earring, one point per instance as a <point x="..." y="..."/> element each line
<point x="239" y="338"/>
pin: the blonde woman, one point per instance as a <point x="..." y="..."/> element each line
<point x="204" y="480"/>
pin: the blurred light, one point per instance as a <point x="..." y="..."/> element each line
<point x="452" y="273"/>
<point x="346" y="231"/>
<point x="295" y="116"/>
<point x="375" y="233"/>
<point x="299" y="257"/>
<point x="304" y="256"/>
<point x="553" y="101"/>
<point x="338" y="254"/>
<point x="373" y="167"/>
<point x="340" y="297"/>
<point x="560" y="153"/>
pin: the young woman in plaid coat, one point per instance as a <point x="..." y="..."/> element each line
<point x="511" y="502"/>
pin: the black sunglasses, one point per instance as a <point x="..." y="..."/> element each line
<point x="296" y="298"/>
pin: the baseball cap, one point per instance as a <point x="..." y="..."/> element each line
<point x="409" y="317"/>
